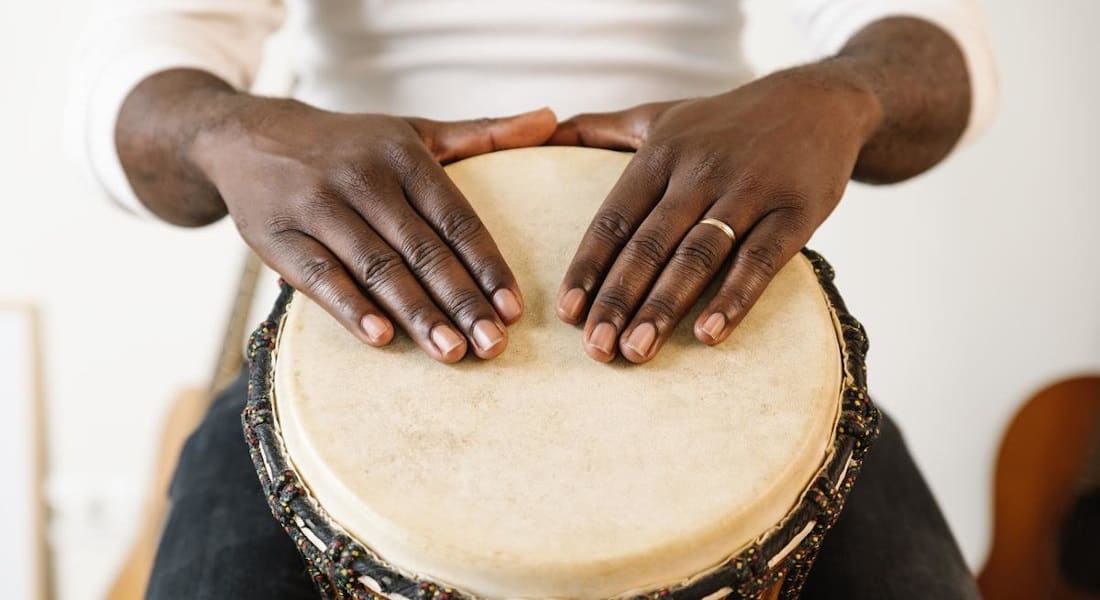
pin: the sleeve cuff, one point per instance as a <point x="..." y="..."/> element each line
<point x="107" y="92"/>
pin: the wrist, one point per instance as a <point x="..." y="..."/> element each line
<point x="851" y="86"/>
<point x="215" y="125"/>
<point x="156" y="126"/>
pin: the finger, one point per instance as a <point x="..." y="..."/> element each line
<point x="442" y="274"/>
<point x="771" y="242"/>
<point x="635" y="194"/>
<point x="621" y="130"/>
<point x="638" y="264"/>
<point x="314" y="271"/>
<point x="695" y="263"/>
<point x="449" y="141"/>
<point x="380" y="271"/>
<point x="438" y="201"/>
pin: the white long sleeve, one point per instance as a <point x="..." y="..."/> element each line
<point x="130" y="40"/>
<point x="828" y="24"/>
<point x="461" y="58"/>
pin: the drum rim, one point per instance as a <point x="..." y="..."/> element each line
<point x="341" y="567"/>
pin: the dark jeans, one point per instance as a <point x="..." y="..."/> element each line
<point x="221" y="541"/>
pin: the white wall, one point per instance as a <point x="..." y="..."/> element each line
<point x="977" y="282"/>
<point x="131" y="311"/>
<point x="21" y="557"/>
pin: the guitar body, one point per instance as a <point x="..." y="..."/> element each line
<point x="1038" y="479"/>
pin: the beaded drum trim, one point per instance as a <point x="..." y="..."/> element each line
<point x="344" y="569"/>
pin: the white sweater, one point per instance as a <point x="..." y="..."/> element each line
<point x="451" y="59"/>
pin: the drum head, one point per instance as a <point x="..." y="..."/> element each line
<point x="544" y="473"/>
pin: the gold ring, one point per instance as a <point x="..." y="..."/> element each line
<point x="726" y="229"/>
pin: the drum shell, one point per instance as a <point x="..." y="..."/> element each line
<point x="344" y="568"/>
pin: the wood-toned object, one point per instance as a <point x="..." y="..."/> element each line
<point x="184" y="414"/>
<point x="231" y="355"/>
<point x="25" y="570"/>
<point x="182" y="418"/>
<point x="1044" y="456"/>
<point x="772" y="593"/>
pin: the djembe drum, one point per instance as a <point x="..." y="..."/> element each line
<point x="705" y="473"/>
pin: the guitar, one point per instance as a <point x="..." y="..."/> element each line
<point x="1046" y="526"/>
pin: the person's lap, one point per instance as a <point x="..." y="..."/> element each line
<point x="221" y="541"/>
<point x="891" y="540"/>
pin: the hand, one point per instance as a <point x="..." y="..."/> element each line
<point x="770" y="159"/>
<point x="355" y="211"/>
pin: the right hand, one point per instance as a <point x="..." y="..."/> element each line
<point x="355" y="211"/>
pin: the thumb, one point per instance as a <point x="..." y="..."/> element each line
<point x="623" y="130"/>
<point x="454" y="140"/>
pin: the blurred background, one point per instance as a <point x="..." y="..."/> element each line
<point x="978" y="283"/>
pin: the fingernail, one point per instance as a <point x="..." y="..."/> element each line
<point x="507" y="305"/>
<point x="445" y="338"/>
<point x="487" y="335"/>
<point x="641" y="339"/>
<point x="714" y="325"/>
<point x="375" y="328"/>
<point x="571" y="304"/>
<point x="603" y="338"/>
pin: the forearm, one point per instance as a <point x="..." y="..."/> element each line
<point x="155" y="134"/>
<point x="918" y="77"/>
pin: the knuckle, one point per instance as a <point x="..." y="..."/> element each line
<point x="420" y="312"/>
<point x="343" y="303"/>
<point x="585" y="272"/>
<point x="658" y="154"/>
<point x="790" y="199"/>
<point x="611" y="226"/>
<point x="322" y="206"/>
<point x="462" y="227"/>
<point x="399" y="147"/>
<point x="751" y="184"/>
<point x="795" y="219"/>
<point x="318" y="204"/>
<point x="738" y="300"/>
<point x="430" y="138"/>
<point x="316" y="273"/>
<point x="698" y="255"/>
<point x="763" y="258"/>
<point x="424" y="255"/>
<point x="487" y="268"/>
<point x="707" y="167"/>
<point x="464" y="304"/>
<point x="405" y="155"/>
<point x="659" y="161"/>
<point x="662" y="306"/>
<point x="615" y="302"/>
<point x="377" y="267"/>
<point x="648" y="248"/>
<point x="318" y="193"/>
<point x="279" y="224"/>
<point x="359" y="176"/>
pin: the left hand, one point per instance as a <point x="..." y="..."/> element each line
<point x="770" y="159"/>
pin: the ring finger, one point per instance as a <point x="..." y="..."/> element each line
<point x="636" y="267"/>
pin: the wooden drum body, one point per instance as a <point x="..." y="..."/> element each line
<point x="708" y="472"/>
